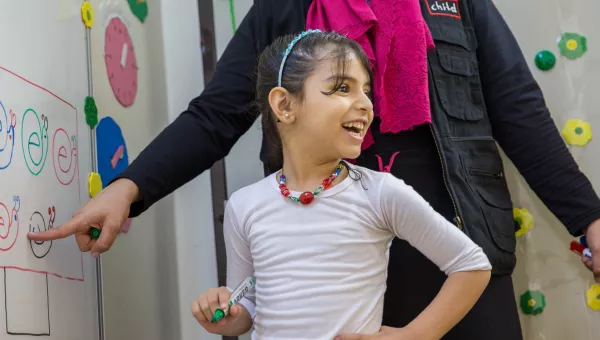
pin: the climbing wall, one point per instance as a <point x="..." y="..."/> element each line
<point x="556" y="294"/>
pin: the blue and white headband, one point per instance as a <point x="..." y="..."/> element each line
<point x="288" y="50"/>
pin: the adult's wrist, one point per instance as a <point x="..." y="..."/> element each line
<point x="128" y="187"/>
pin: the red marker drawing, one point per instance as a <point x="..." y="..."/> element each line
<point x="117" y="156"/>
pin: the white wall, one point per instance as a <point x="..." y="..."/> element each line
<point x="245" y="154"/>
<point x="153" y="273"/>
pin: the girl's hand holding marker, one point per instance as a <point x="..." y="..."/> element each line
<point x="208" y="303"/>
<point x="217" y="309"/>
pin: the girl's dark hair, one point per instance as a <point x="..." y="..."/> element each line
<point x="300" y="63"/>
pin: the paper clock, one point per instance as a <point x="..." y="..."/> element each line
<point x="121" y="62"/>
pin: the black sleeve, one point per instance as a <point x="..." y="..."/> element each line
<point x="207" y="130"/>
<point x="523" y="127"/>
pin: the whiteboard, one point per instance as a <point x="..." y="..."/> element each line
<point x="47" y="290"/>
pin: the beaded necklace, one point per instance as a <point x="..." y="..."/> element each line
<point x="307" y="197"/>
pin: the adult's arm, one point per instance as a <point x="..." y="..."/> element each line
<point x="523" y="127"/>
<point x="207" y="130"/>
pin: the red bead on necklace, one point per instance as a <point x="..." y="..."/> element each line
<point x="307" y="197"/>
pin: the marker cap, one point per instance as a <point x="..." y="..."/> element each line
<point x="219" y="314"/>
<point x="94" y="233"/>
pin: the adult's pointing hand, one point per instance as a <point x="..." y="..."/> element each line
<point x="107" y="211"/>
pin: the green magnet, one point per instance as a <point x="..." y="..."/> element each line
<point x="533" y="302"/>
<point x="139" y="9"/>
<point x="572" y="45"/>
<point x="545" y="60"/>
<point x="94" y="233"/>
<point x="91" y="112"/>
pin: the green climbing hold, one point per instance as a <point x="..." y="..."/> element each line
<point x="578" y="130"/>
<point x="139" y="8"/>
<point x="533" y="302"/>
<point x="91" y="112"/>
<point x="545" y="60"/>
<point x="572" y="45"/>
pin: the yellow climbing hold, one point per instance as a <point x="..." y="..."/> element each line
<point x="531" y="303"/>
<point x="593" y="297"/>
<point x="572" y="44"/>
<point x="87" y="14"/>
<point x="525" y="220"/>
<point x="94" y="184"/>
<point x="577" y="132"/>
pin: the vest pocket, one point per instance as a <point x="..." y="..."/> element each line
<point x="456" y="78"/>
<point x="497" y="207"/>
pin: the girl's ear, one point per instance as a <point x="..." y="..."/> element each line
<point x="281" y="104"/>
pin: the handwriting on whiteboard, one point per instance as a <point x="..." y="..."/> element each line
<point x="37" y="223"/>
<point x="37" y="127"/>
<point x="34" y="135"/>
<point x="9" y="224"/>
<point x="8" y="121"/>
<point x="64" y="156"/>
<point x="34" y="140"/>
<point x="34" y="143"/>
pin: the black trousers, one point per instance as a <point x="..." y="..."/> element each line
<point x="413" y="280"/>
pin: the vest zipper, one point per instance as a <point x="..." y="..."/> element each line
<point x="457" y="218"/>
<point x="486" y="173"/>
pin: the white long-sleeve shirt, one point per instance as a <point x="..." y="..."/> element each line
<point x="320" y="269"/>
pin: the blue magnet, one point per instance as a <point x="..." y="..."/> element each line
<point x="111" y="149"/>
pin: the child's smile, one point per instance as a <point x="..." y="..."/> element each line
<point x="356" y="128"/>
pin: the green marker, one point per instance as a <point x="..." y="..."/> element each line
<point x="236" y="296"/>
<point x="94" y="233"/>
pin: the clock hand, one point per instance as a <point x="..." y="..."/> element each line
<point x="124" y="56"/>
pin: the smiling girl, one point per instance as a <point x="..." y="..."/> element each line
<point x="316" y="234"/>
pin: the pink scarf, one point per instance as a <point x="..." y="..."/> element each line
<point x="398" y="54"/>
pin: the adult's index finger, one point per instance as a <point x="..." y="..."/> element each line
<point x="65" y="230"/>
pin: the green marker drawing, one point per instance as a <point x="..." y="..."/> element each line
<point x="35" y="148"/>
<point x="236" y="296"/>
<point x="232" y="15"/>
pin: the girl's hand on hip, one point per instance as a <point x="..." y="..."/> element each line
<point x="385" y="333"/>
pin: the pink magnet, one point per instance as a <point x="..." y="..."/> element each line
<point x="117" y="156"/>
